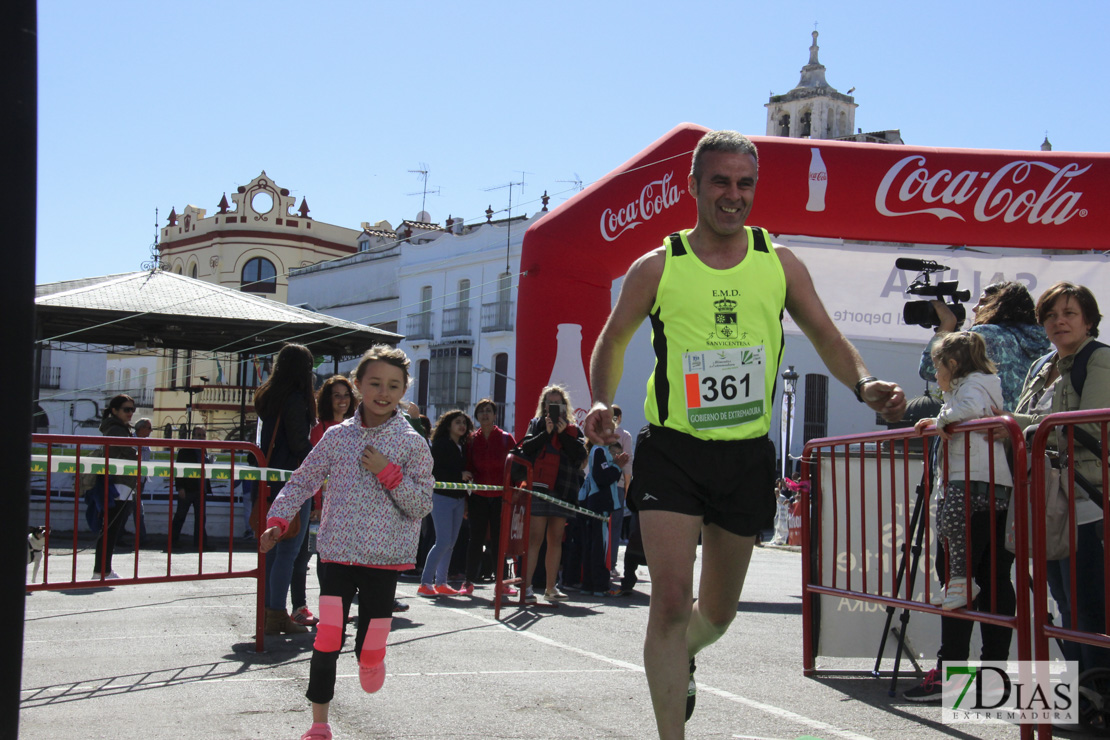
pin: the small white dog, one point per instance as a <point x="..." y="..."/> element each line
<point x="36" y="541"/>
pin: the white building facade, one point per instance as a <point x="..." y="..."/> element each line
<point x="451" y="292"/>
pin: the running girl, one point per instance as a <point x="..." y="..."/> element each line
<point x="379" y="473"/>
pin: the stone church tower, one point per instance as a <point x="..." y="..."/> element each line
<point x="813" y="109"/>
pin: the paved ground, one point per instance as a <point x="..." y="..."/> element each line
<point x="171" y="661"/>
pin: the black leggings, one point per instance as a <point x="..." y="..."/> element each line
<point x="955" y="634"/>
<point x="376" y="589"/>
<point x="482" y="512"/>
<point x="117" y="517"/>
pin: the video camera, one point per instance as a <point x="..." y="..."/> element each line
<point x="924" y="313"/>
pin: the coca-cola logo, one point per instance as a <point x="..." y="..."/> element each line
<point x="656" y="197"/>
<point x="1014" y="192"/>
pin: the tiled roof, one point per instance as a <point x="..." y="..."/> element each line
<point x="422" y="225"/>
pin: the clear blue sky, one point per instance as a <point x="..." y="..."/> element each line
<point x="146" y="105"/>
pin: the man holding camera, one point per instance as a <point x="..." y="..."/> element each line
<point x="704" y="465"/>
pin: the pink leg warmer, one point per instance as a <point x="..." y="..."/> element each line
<point x="329" y="633"/>
<point x="371" y="661"/>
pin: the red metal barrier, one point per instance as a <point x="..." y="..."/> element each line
<point x="72" y="445"/>
<point x="1062" y="427"/>
<point x="872" y="533"/>
<point x="516" y="522"/>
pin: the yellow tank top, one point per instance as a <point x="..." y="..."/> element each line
<point x="717" y="336"/>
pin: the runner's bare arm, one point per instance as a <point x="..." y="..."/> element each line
<point x="607" y="361"/>
<point x="838" y="354"/>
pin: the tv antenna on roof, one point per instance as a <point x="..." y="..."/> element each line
<point x="509" y="218"/>
<point x="423" y="172"/>
<point x="576" y="183"/>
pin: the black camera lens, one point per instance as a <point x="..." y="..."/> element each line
<point x="924" y="313"/>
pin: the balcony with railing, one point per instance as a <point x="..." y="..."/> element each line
<point x="224" y="395"/>
<point x="497" y="316"/>
<point x="456" y="321"/>
<point x="143" y="397"/>
<point x="50" y="378"/>
<point x="418" y="325"/>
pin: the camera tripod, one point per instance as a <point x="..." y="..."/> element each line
<point x="917" y="533"/>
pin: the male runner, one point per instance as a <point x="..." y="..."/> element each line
<point x="704" y="464"/>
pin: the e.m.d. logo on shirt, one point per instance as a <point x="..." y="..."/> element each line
<point x="725" y="325"/>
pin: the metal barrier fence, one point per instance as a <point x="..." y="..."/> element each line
<point x="861" y="542"/>
<point x="94" y="476"/>
<point x="866" y="522"/>
<point x="1087" y="619"/>
<point x="516" y="521"/>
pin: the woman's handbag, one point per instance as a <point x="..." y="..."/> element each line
<point x="1057" y="515"/>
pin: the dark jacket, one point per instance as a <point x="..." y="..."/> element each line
<point x="571" y="450"/>
<point x="192" y="485"/>
<point x="604" y="473"/>
<point x="448" y="464"/>
<point x="292" y="444"/>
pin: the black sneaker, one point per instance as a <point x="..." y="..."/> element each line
<point x="691" y="692"/>
<point x="930" y="688"/>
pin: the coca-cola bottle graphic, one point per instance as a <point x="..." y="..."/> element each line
<point x="818" y="181"/>
<point x="568" y="370"/>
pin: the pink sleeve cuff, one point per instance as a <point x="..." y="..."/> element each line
<point x="281" y="524"/>
<point x="391" y="476"/>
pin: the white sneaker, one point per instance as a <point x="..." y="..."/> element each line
<point x="530" y="596"/>
<point x="956" y="594"/>
<point x="554" y="595"/>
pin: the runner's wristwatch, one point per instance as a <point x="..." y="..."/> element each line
<point x="859" y="386"/>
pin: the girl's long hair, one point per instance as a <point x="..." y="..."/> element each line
<point x="969" y="352"/>
<point x="324" y="398"/>
<point x="292" y="376"/>
<point x="443" y="426"/>
<point x="1009" y="303"/>
<point x="541" y="410"/>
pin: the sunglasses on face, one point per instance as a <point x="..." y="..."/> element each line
<point x="127" y="409"/>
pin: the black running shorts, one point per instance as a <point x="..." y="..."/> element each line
<point x="729" y="483"/>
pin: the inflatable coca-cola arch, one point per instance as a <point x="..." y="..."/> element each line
<point x="808" y="187"/>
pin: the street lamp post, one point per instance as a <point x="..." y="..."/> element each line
<point x="789" y="391"/>
<point x="192" y="390"/>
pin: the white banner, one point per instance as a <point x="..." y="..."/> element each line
<point x="864" y="292"/>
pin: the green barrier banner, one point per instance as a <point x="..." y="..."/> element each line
<point x="154" y="469"/>
<point x="222" y="471"/>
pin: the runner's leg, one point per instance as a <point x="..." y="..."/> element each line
<point x="670" y="544"/>
<point x="724" y="565"/>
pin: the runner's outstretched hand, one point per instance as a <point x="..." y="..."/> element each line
<point x="886" y="398"/>
<point x="599" y="427"/>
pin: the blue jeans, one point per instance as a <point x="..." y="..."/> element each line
<point x="447" y="516"/>
<point x="281" y="560"/>
<point x="1090" y="605"/>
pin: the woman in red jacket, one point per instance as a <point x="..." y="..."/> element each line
<point x="489" y="446"/>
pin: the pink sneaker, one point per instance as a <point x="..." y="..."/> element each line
<point x="509" y="591"/>
<point x="467" y="589"/>
<point x="426" y="590"/>
<point x="444" y="590"/>
<point x="318" y="731"/>
<point x="371" y="677"/>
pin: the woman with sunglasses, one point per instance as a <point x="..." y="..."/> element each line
<point x="115" y="422"/>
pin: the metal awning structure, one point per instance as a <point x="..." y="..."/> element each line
<point x="165" y="310"/>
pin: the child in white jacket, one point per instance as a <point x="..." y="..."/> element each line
<point x="971" y="390"/>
